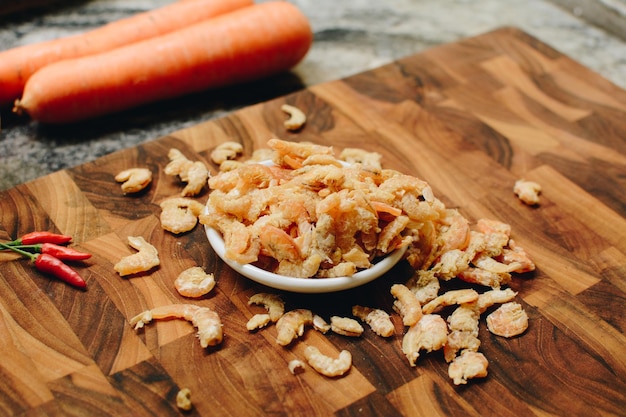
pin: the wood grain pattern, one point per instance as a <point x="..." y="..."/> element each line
<point x="470" y="118"/>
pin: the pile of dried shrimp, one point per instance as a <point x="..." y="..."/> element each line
<point x="314" y="215"/>
<point x="311" y="214"/>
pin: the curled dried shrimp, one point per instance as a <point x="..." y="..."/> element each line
<point x="378" y="320"/>
<point x="134" y="179"/>
<point x="326" y="365"/>
<point x="179" y="214"/>
<point x="406" y="304"/>
<point x="291" y="325"/>
<point x="527" y="191"/>
<point x="194" y="173"/>
<point x="429" y="333"/>
<point x="258" y="321"/>
<point x="425" y="285"/>
<point x="273" y="303"/>
<point x="226" y="151"/>
<point x="296" y="366"/>
<point x="450" y="298"/>
<point x="297" y="118"/>
<point x="345" y="326"/>
<point x="320" y="324"/>
<point x="465" y="318"/>
<point x="455" y="233"/>
<point x="145" y="259"/>
<point x="194" y="282"/>
<point x="515" y="254"/>
<point x="371" y="160"/>
<point x="468" y="365"/>
<point x="204" y="319"/>
<point x="183" y="399"/>
<point x="508" y="320"/>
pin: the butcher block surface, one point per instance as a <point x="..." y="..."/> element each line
<point x="470" y="118"/>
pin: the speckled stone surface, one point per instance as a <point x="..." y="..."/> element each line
<point x="351" y="36"/>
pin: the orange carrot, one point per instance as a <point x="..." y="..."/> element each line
<point x="243" y="45"/>
<point x="18" y="64"/>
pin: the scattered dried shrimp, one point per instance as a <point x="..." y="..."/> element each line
<point x="527" y="191"/>
<point x="204" y="319"/>
<point x="312" y="215"/>
<point x="194" y="282"/>
<point x="134" y="179"/>
<point x="326" y="365"/>
<point x="145" y="259"/>
<point x="179" y="214"/>
<point x="508" y="320"/>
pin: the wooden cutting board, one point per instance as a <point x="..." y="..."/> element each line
<point x="470" y="118"/>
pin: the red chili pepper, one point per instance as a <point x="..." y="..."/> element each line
<point x="47" y="263"/>
<point x="62" y="252"/>
<point x="41" y="237"/>
<point x="54" y="266"/>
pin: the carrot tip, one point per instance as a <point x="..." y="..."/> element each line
<point x="18" y="108"/>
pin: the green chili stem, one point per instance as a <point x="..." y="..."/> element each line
<point x="18" y="250"/>
<point x="35" y="247"/>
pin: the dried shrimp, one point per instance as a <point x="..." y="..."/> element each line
<point x="378" y="320"/>
<point x="134" y="179"/>
<point x="291" y="325"/>
<point x="508" y="320"/>
<point x="296" y="366"/>
<point x="194" y="282"/>
<point x="429" y="333"/>
<point x="450" y="298"/>
<point x="468" y="365"/>
<point x="145" y="259"/>
<point x="345" y="326"/>
<point x="204" y="319"/>
<point x="406" y="304"/>
<point x="326" y="365"/>
<point x="297" y="118"/>
<point x="194" y="173"/>
<point x="258" y="321"/>
<point x="226" y="151"/>
<point x="179" y="214"/>
<point x="320" y="324"/>
<point x="272" y="303"/>
<point x="527" y="191"/>
<point x="183" y="399"/>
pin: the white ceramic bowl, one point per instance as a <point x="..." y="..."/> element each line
<point x="304" y="285"/>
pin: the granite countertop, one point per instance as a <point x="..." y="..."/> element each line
<point x="350" y="37"/>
